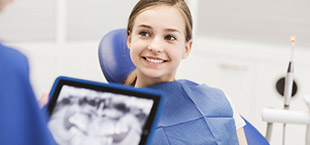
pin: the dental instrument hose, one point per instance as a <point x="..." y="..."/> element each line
<point x="289" y="80"/>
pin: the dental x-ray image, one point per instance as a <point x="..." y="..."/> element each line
<point x="88" y="117"/>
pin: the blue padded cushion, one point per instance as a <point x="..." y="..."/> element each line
<point x="115" y="63"/>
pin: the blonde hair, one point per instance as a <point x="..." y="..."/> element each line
<point x="131" y="79"/>
<point x="143" y="5"/>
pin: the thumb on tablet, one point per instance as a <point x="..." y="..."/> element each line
<point x="43" y="100"/>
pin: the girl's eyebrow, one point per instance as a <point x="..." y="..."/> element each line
<point x="168" y="29"/>
<point x="173" y="30"/>
<point x="145" y="26"/>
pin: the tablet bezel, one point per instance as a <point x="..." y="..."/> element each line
<point x="156" y="96"/>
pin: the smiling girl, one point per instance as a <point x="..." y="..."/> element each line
<point x="159" y="37"/>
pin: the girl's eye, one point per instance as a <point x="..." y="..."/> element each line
<point x="169" y="37"/>
<point x="144" y="34"/>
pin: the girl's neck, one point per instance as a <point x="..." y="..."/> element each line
<point x="144" y="81"/>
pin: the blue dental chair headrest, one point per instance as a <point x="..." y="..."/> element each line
<point x="115" y="63"/>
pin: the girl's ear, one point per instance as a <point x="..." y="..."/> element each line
<point x="188" y="48"/>
<point x="129" y="42"/>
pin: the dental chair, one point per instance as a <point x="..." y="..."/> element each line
<point x="274" y="115"/>
<point x="116" y="65"/>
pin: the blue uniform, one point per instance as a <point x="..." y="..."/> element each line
<point x="194" y="115"/>
<point x="21" y="120"/>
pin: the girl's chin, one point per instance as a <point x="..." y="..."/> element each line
<point x="158" y="76"/>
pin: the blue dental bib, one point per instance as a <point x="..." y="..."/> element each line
<point x="194" y="115"/>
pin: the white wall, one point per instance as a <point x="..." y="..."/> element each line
<point x="61" y="37"/>
<point x="243" y="48"/>
<point x="77" y="59"/>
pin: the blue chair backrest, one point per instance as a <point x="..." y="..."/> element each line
<point x="116" y="65"/>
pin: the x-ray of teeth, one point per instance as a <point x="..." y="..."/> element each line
<point x="84" y="116"/>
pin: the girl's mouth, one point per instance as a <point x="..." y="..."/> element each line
<point x="154" y="60"/>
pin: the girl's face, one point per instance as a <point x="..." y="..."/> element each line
<point x="157" y="44"/>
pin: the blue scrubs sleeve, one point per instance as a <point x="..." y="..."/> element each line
<point x="21" y="120"/>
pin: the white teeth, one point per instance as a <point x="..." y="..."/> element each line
<point x="154" y="60"/>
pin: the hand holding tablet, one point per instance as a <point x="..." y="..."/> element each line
<point x="87" y="112"/>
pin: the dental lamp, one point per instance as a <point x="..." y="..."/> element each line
<point x="285" y="115"/>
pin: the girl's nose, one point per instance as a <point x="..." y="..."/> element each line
<point x="156" y="45"/>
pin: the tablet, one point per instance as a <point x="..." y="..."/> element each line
<point x="83" y="112"/>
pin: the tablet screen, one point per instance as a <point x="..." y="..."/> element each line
<point x="88" y="116"/>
